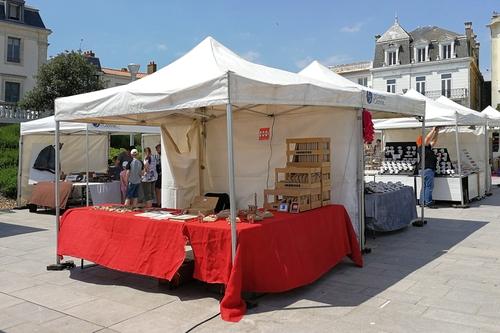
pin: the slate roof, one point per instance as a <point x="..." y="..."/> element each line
<point x="432" y="33"/>
<point x="31" y="17"/>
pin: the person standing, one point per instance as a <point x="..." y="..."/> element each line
<point x="125" y="155"/>
<point x="158" y="171"/>
<point x="429" y="167"/>
<point x="149" y="178"/>
<point x="134" y="175"/>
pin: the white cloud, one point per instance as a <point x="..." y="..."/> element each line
<point x="161" y="47"/>
<point x="251" y="55"/>
<point x="352" y="28"/>
<point x="301" y="63"/>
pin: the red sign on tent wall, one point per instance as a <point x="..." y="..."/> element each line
<point x="264" y="134"/>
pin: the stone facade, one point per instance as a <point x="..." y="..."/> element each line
<point x="495" y="60"/>
<point x="23" y="48"/>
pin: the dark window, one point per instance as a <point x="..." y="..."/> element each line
<point x="14" y="12"/>
<point x="391" y="86"/>
<point x="420" y="54"/>
<point x="446" y="85"/>
<point x="12" y="92"/>
<point x="391" y="58"/>
<point x="363" y="81"/>
<point x="14" y="49"/>
<point x="446" y="52"/>
<point x="420" y="84"/>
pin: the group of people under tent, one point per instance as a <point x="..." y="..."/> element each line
<point x="135" y="173"/>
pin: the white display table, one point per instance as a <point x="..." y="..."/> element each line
<point x="445" y="188"/>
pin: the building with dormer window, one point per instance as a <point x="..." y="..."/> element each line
<point x="23" y="48"/>
<point x="431" y="60"/>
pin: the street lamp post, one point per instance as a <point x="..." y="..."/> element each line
<point x="133" y="69"/>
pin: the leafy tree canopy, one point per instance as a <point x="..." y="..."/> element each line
<point x="67" y="74"/>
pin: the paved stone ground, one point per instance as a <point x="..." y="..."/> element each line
<point x="444" y="277"/>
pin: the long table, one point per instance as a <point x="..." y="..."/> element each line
<point x="278" y="254"/>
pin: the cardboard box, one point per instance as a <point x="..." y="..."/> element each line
<point x="204" y="205"/>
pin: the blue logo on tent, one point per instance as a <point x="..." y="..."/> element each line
<point x="369" y="97"/>
<point x="96" y="124"/>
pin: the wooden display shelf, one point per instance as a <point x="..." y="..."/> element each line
<point x="326" y="197"/>
<point x="294" y="177"/>
<point x="302" y="196"/>
<point x="308" y="150"/>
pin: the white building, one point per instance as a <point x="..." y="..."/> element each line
<point x="495" y="60"/>
<point x="359" y="72"/>
<point x="113" y="77"/>
<point x="23" y="48"/>
<point x="432" y="60"/>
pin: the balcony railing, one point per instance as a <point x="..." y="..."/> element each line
<point x="10" y="113"/>
<point x="458" y="93"/>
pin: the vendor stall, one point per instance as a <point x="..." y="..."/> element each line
<point x="460" y="150"/>
<point x="79" y="140"/>
<point x="225" y="124"/>
<point x="493" y="141"/>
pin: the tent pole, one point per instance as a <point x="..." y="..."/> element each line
<point x="422" y="178"/>
<point x="232" y="189"/>
<point x="459" y="166"/>
<point x="360" y="180"/>
<point x="58" y="266"/>
<point x="87" y="165"/>
<point x="487" y="166"/>
<point x="230" y="166"/>
<point x="19" y="171"/>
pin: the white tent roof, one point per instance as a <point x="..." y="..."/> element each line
<point x="493" y="116"/>
<point x="462" y="109"/>
<point x="372" y="99"/>
<point x="436" y="114"/>
<point x="210" y="75"/>
<point x="48" y="125"/>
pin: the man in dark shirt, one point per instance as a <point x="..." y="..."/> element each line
<point x="429" y="168"/>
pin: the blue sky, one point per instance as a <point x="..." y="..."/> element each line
<point x="282" y="34"/>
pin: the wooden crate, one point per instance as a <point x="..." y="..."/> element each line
<point x="308" y="152"/>
<point x="289" y="195"/>
<point x="326" y="197"/>
<point x="316" y="198"/>
<point x="295" y="177"/>
<point x="326" y="177"/>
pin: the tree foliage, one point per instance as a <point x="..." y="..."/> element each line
<point x="67" y="74"/>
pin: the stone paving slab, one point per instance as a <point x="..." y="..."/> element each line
<point x="444" y="277"/>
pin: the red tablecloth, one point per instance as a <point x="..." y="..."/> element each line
<point x="123" y="241"/>
<point x="277" y="254"/>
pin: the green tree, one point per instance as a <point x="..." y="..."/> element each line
<point x="67" y="74"/>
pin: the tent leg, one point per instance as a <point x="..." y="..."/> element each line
<point x="421" y="222"/>
<point x="360" y="180"/>
<point x="87" y="166"/>
<point x="232" y="188"/>
<point x="58" y="266"/>
<point x="459" y="166"/>
<point x="19" y="171"/>
<point x="487" y="167"/>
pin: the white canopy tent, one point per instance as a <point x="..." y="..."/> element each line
<point x="439" y="114"/>
<point x="212" y="100"/>
<point x="78" y="139"/>
<point x="374" y="100"/>
<point x="492" y="115"/>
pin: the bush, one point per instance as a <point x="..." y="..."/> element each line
<point x="8" y="182"/>
<point x="9" y="145"/>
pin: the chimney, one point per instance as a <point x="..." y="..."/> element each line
<point x="468" y="29"/>
<point x="151" y="67"/>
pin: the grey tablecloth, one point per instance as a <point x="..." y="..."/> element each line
<point x="390" y="211"/>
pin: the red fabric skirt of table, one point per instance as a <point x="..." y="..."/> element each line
<point x="274" y="255"/>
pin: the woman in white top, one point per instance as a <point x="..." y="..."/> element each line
<point x="149" y="178"/>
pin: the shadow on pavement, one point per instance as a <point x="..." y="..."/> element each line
<point x="7" y="229"/>
<point x="394" y="256"/>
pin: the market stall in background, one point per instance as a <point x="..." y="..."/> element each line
<point x="460" y="151"/>
<point x="85" y="150"/>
